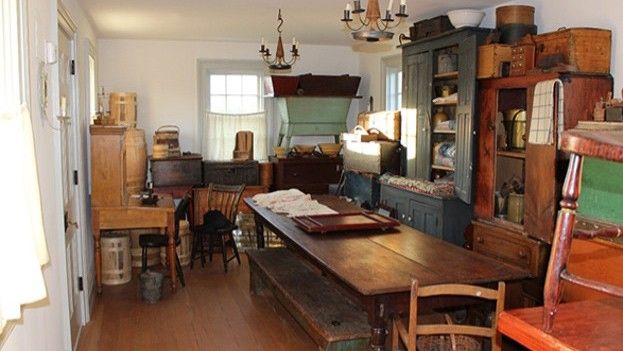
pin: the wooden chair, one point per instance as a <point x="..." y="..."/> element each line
<point x="159" y="240"/>
<point x="408" y="334"/>
<point x="218" y="223"/>
<point x="606" y="145"/>
<point x="244" y="145"/>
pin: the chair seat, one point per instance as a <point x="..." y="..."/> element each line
<point x="155" y="240"/>
<point x="214" y="222"/>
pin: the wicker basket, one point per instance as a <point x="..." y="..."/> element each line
<point x="448" y="342"/>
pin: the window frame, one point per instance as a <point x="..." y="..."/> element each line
<point x="391" y="65"/>
<point x="259" y="96"/>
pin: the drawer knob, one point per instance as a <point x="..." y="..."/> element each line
<point x="408" y="219"/>
<point x="480" y="239"/>
<point x="522" y="254"/>
<point x="403" y="216"/>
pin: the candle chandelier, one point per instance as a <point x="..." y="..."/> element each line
<point x="373" y="27"/>
<point x="279" y="62"/>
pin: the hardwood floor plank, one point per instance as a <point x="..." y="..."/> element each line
<point x="215" y="311"/>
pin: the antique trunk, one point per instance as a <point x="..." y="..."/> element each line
<point x="491" y="58"/>
<point x="363" y="188"/>
<point x="372" y="157"/>
<point x="584" y="49"/>
<point x="430" y="27"/>
<point x="176" y="171"/>
<point x="231" y="172"/>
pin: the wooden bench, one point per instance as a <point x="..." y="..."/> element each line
<point x="332" y="320"/>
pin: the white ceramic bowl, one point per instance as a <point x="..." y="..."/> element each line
<point x="466" y="17"/>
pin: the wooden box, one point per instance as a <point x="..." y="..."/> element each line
<point x="522" y="59"/>
<point x="430" y="27"/>
<point x="176" y="171"/>
<point x="108" y="166"/>
<point x="387" y="122"/>
<point x="372" y="157"/>
<point x="584" y="49"/>
<point x="231" y="172"/>
<point x="491" y="57"/>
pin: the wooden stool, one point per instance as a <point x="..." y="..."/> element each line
<point x="602" y="144"/>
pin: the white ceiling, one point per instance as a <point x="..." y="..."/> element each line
<point x="311" y="22"/>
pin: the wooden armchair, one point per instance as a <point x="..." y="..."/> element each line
<point x="408" y="334"/>
<point x="605" y="145"/>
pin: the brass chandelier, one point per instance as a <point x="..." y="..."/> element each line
<point x="279" y="62"/>
<point x="372" y="27"/>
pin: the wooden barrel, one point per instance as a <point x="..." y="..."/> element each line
<point x="514" y="14"/>
<point x="169" y="135"/>
<point x="183" y="250"/>
<point x="266" y="173"/>
<point x="123" y="108"/>
<point x="136" y="160"/>
<point x="135" y="251"/>
<point x="116" y="262"/>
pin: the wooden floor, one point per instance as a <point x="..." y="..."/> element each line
<point x="215" y="311"/>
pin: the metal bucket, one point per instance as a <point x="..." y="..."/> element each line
<point x="515" y="125"/>
<point x="151" y="286"/>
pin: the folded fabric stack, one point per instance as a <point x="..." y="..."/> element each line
<point x="419" y="185"/>
<point x="445" y="126"/>
<point x="443" y="154"/>
<point x="292" y="202"/>
<point x="450" y="99"/>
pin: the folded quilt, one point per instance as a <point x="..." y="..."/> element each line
<point x="292" y="202"/>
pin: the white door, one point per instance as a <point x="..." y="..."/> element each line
<point x="71" y="199"/>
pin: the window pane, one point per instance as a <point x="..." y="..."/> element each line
<point x="249" y="85"/>
<point x="249" y="104"/>
<point x="234" y="103"/>
<point x="217" y="84"/>
<point x="399" y="87"/>
<point x="234" y="84"/>
<point x="217" y="104"/>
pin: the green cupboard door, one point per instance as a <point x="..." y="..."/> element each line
<point x="465" y="131"/>
<point x="423" y="101"/>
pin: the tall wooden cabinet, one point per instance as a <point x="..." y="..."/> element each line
<point x="108" y="166"/>
<point x="522" y="238"/>
<point x="434" y="67"/>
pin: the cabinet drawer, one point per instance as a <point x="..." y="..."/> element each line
<point x="509" y="247"/>
<point x="311" y="173"/>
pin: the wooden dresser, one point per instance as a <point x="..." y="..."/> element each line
<point x="309" y="174"/>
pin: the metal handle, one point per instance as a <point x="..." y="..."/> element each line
<point x="408" y="219"/>
<point x="522" y="254"/>
<point x="480" y="239"/>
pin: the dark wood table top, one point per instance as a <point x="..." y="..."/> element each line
<point x="584" y="325"/>
<point x="376" y="262"/>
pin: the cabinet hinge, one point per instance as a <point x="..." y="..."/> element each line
<point x="80" y="284"/>
<point x="75" y="177"/>
<point x="72" y="67"/>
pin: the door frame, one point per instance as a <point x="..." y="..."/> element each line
<point x="65" y="22"/>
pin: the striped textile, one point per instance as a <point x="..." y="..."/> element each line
<point x="542" y="122"/>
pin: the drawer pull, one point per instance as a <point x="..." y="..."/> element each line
<point x="480" y="240"/>
<point x="403" y="216"/>
<point x="522" y="254"/>
<point x="295" y="174"/>
<point x="408" y="219"/>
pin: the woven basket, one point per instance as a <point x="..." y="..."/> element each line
<point x="448" y="342"/>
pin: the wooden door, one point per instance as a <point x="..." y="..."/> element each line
<point x="423" y="98"/>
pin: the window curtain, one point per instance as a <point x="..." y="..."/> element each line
<point x="23" y="247"/>
<point x="219" y="131"/>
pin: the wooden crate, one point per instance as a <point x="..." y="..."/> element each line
<point x="387" y="122"/>
<point x="430" y="27"/>
<point x="584" y="49"/>
<point x="490" y="60"/>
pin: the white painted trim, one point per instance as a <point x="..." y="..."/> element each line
<point x="387" y="62"/>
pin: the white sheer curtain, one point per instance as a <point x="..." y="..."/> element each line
<point x="219" y="134"/>
<point x="23" y="248"/>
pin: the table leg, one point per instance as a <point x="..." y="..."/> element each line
<point x="171" y="249"/>
<point x="259" y="231"/>
<point x="95" y="223"/>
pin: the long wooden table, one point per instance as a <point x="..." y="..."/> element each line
<point x="377" y="267"/>
<point x="134" y="216"/>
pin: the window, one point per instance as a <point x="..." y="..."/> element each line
<point x="232" y="101"/>
<point x="392" y="84"/>
<point x="235" y="93"/>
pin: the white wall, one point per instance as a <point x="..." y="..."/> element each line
<point x="45" y="325"/>
<point x="164" y="75"/>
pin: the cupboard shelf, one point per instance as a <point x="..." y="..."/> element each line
<point x="447" y="75"/>
<point x="443" y="168"/>
<point x="452" y="132"/>
<point x="512" y="154"/>
<point x="454" y="103"/>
